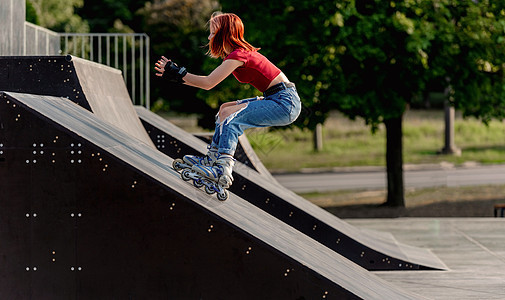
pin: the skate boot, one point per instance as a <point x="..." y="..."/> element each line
<point x="216" y="178"/>
<point x="189" y="160"/>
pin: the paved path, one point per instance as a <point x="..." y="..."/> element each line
<point x="375" y="178"/>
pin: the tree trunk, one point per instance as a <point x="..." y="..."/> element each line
<point x="394" y="162"/>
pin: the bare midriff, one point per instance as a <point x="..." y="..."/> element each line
<point x="278" y="79"/>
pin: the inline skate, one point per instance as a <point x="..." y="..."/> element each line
<point x="216" y="178"/>
<point x="189" y="160"/>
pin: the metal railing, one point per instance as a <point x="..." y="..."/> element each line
<point x="128" y="52"/>
<point x="40" y="41"/>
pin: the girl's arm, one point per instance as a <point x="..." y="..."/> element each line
<point x="215" y="77"/>
<point x="203" y="82"/>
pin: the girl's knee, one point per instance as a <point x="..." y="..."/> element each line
<point x="227" y="104"/>
<point x="223" y="108"/>
<point x="226" y="111"/>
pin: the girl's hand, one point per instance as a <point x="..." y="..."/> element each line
<point x="160" y="66"/>
<point x="169" y="70"/>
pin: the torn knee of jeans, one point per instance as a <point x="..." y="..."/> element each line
<point x="233" y="115"/>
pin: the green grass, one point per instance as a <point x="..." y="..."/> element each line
<point x="350" y="143"/>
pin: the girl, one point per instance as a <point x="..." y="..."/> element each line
<point x="279" y="106"/>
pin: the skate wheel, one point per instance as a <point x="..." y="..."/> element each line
<point x="185" y="175"/>
<point x="177" y="164"/>
<point x="209" y="190"/>
<point x="198" y="183"/>
<point x="223" y="195"/>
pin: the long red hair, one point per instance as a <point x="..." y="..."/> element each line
<point x="228" y="35"/>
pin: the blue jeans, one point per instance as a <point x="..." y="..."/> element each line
<point x="279" y="109"/>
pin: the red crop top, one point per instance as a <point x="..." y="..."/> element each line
<point x="257" y="70"/>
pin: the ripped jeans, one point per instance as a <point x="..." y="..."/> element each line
<point x="279" y="109"/>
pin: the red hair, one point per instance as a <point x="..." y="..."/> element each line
<point x="228" y="35"/>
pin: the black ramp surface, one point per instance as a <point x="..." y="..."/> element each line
<point x="87" y="211"/>
<point x="96" y="87"/>
<point x="370" y="250"/>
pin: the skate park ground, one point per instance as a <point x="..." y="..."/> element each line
<point x="472" y="249"/>
<point x="456" y="223"/>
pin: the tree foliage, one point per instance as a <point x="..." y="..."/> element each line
<point x="372" y="58"/>
<point x="290" y="33"/>
<point x="367" y="58"/>
<point x="178" y="30"/>
<point x="57" y="15"/>
<point x="468" y="52"/>
<point x="112" y="15"/>
<point x="393" y="52"/>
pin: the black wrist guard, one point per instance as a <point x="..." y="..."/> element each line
<point x="174" y="73"/>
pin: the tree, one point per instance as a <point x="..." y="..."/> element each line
<point x="112" y="15"/>
<point x="178" y="30"/>
<point x="57" y="15"/>
<point x="468" y="52"/>
<point x="291" y="34"/>
<point x="335" y="56"/>
<point x="380" y="59"/>
<point x="396" y="50"/>
<point x="366" y="58"/>
<point x="371" y="58"/>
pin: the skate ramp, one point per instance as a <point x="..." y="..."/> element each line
<point x="87" y="211"/>
<point x="98" y="88"/>
<point x="370" y="250"/>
